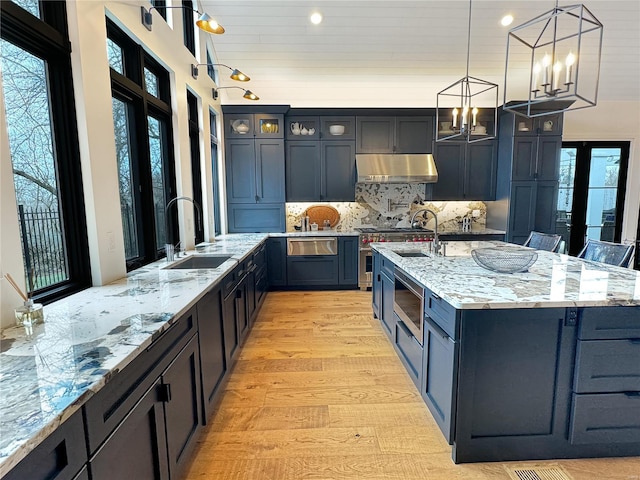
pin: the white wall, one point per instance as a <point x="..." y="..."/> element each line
<point x="613" y="121"/>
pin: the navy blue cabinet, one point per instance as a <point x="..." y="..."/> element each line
<point x="212" y="359"/>
<point x="155" y="438"/>
<point x="61" y="455"/>
<point x="440" y="376"/>
<point x="409" y="350"/>
<point x="527" y="180"/>
<point x="255" y="184"/>
<point x="320" y="270"/>
<point x="394" y="134"/>
<point x="138" y="447"/>
<point x="320" y="171"/>
<point x="348" y="258"/>
<point x="376" y="284"/>
<point x="277" y="261"/>
<point x="387" y="317"/>
<point x="465" y="171"/>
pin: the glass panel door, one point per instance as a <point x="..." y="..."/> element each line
<point x="591" y="192"/>
<point x="604" y="174"/>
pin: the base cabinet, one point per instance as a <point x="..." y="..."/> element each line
<point x="312" y="270"/>
<point x="138" y="447"/>
<point x="156" y="437"/>
<point x="212" y="359"/>
<point x="60" y="456"/>
<point x="376" y="285"/>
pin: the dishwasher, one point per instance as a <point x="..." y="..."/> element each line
<point x="312" y="262"/>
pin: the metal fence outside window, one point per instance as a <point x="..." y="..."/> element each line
<point x="43" y="247"/>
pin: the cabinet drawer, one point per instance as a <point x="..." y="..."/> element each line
<point x="598" y="323"/>
<point x="608" y="366"/>
<point x="605" y="418"/>
<point x="410" y="351"/>
<point x="440" y="312"/>
<point x="387" y="266"/>
<point x="260" y="256"/>
<point x="321" y="270"/>
<point x="60" y="456"/>
<point x="107" y="408"/>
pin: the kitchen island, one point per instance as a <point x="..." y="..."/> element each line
<point x="534" y="365"/>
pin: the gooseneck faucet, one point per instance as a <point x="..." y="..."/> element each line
<point x="168" y="247"/>
<point x="436" y="242"/>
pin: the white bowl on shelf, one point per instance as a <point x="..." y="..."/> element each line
<point x="336" y="129"/>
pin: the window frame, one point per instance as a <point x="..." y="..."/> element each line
<point x="188" y="26"/>
<point x="131" y="87"/>
<point x="47" y="38"/>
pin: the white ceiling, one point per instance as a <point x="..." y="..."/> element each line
<point x="394" y="53"/>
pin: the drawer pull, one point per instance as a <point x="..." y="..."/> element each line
<point x="635" y="341"/>
<point x="435" y="296"/>
<point x="632" y="394"/>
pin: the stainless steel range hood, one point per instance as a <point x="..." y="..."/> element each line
<point x="398" y="168"/>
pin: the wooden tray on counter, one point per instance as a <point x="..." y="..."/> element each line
<point x="319" y="213"/>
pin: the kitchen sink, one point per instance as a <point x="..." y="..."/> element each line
<point x="199" y="262"/>
<point x="412" y="254"/>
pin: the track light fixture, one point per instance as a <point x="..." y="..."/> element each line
<point x="248" y="94"/>
<point x="205" y="22"/>
<point x="235" y="73"/>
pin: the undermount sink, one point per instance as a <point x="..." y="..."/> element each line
<point x="412" y="254"/>
<point x="199" y="262"/>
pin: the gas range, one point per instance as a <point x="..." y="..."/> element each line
<point x="372" y="234"/>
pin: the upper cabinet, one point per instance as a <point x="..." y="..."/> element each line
<point x="394" y="134"/>
<point x="258" y="125"/>
<point x="465" y="171"/>
<point x="545" y="125"/>
<point x="326" y="128"/>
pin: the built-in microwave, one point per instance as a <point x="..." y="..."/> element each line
<point x="408" y="303"/>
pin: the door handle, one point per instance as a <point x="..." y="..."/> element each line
<point x="164" y="392"/>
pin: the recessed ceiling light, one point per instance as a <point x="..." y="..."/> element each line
<point x="506" y="20"/>
<point x="316" y="18"/>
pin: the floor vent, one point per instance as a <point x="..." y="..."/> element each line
<point x="537" y="472"/>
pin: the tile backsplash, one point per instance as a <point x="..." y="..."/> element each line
<point x="391" y="205"/>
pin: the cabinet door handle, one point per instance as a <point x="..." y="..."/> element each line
<point x="238" y="293"/>
<point x="257" y="198"/>
<point x="635" y="341"/>
<point x="378" y="277"/>
<point x="435" y="296"/>
<point x="632" y="394"/>
<point x="164" y="392"/>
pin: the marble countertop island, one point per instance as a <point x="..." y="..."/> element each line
<point x="48" y="374"/>
<point x="554" y="280"/>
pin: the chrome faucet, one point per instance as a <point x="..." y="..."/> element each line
<point x="168" y="247"/>
<point x="414" y="224"/>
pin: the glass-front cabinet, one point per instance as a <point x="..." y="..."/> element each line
<point x="258" y="125"/>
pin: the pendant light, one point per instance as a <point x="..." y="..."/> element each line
<point x="562" y="48"/>
<point x="467" y="110"/>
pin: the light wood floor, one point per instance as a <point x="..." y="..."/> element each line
<point x="319" y="393"/>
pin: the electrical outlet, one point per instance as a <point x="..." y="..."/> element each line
<point x="475" y="213"/>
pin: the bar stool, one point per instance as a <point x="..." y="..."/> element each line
<point x="607" y="252"/>
<point x="543" y="241"/>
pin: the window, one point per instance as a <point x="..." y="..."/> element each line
<point x="196" y="171"/>
<point x="41" y="124"/>
<point x="160" y="6"/>
<point x="212" y="71"/>
<point x="189" y="26"/>
<point x="214" y="171"/>
<point x="142" y="116"/>
<point x="591" y="196"/>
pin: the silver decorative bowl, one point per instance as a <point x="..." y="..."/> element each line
<point x="504" y="260"/>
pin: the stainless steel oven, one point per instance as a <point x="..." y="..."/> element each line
<point x="408" y="303"/>
<point x="370" y="235"/>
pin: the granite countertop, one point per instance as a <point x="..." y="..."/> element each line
<point x="46" y="376"/>
<point x="555" y="280"/>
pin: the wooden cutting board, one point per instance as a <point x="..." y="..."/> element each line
<point x="319" y="213"/>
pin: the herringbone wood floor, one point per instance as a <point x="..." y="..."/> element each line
<point x="319" y="393"/>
